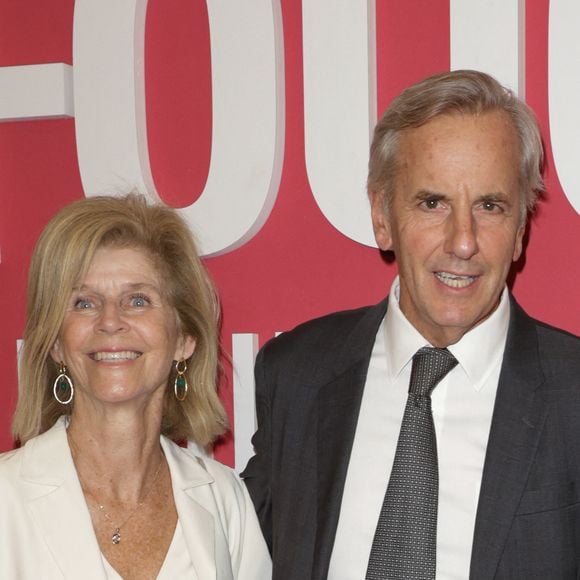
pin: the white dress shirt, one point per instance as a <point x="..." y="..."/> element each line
<point x="462" y="409"/>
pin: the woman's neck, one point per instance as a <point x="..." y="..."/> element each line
<point x="115" y="453"/>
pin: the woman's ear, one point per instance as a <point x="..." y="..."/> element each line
<point x="185" y="347"/>
<point x="56" y="352"/>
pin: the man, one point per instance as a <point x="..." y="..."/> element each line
<point x="454" y="170"/>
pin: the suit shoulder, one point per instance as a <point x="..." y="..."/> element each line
<point x="558" y="346"/>
<point x="549" y="331"/>
<point x="326" y="333"/>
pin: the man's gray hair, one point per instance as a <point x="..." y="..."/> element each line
<point x="466" y="92"/>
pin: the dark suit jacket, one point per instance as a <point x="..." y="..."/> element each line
<point x="309" y="384"/>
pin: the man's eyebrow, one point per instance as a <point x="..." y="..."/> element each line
<point x="493" y="196"/>
<point x="496" y="196"/>
<point x="428" y="194"/>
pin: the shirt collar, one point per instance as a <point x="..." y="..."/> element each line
<point x="477" y="352"/>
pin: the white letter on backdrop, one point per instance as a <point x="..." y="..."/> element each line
<point x="244" y="350"/>
<point x="489" y="36"/>
<point x="109" y="96"/>
<point x="248" y="112"/>
<point x="36" y="91"/>
<point x="564" y="94"/>
<point x="340" y="109"/>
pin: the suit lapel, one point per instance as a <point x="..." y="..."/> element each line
<point x="518" y="419"/>
<point x="339" y="403"/>
<point x="58" y="507"/>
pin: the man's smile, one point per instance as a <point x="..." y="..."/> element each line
<point x="455" y="280"/>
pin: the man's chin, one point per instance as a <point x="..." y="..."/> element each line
<point x="445" y="329"/>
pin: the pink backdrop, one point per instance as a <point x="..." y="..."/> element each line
<point x="298" y="265"/>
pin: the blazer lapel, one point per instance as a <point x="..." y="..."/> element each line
<point x="190" y="488"/>
<point x="518" y="418"/>
<point x="338" y="408"/>
<point x="58" y="506"/>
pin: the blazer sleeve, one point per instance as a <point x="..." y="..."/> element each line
<point x="258" y="472"/>
<point x="254" y="562"/>
<point x="231" y="505"/>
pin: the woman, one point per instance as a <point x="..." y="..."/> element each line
<point x="119" y="361"/>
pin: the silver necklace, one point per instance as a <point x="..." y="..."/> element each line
<point x="116" y="535"/>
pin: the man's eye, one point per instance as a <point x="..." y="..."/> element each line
<point x="491" y="206"/>
<point x="431" y="203"/>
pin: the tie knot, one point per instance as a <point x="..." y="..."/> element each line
<point x="430" y="365"/>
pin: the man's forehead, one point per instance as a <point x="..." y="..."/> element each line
<point x="475" y="153"/>
<point x="496" y="117"/>
<point x="455" y="130"/>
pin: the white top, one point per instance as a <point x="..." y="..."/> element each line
<point x="46" y="529"/>
<point x="176" y="566"/>
<point x="462" y="409"/>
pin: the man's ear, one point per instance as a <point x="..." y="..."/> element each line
<point x="519" y="245"/>
<point x="381" y="223"/>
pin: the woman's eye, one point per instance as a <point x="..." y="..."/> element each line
<point x="82" y="304"/>
<point x="139" y="301"/>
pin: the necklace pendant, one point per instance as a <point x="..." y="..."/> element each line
<point x="116" y="537"/>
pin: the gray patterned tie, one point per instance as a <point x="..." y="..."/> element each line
<point x="404" y="546"/>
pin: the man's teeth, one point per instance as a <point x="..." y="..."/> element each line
<point x="453" y="280"/>
<point x="120" y="355"/>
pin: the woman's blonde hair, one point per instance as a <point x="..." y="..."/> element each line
<point x="62" y="257"/>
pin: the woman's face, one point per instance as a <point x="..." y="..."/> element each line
<point x="120" y="336"/>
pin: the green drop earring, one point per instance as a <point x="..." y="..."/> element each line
<point x="62" y="384"/>
<point x="180" y="386"/>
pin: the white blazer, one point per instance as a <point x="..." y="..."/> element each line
<point x="46" y="530"/>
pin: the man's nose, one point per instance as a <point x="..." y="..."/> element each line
<point x="461" y="235"/>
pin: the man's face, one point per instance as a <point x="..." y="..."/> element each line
<point x="454" y="223"/>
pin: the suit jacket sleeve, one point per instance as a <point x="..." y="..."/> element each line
<point x="257" y="474"/>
